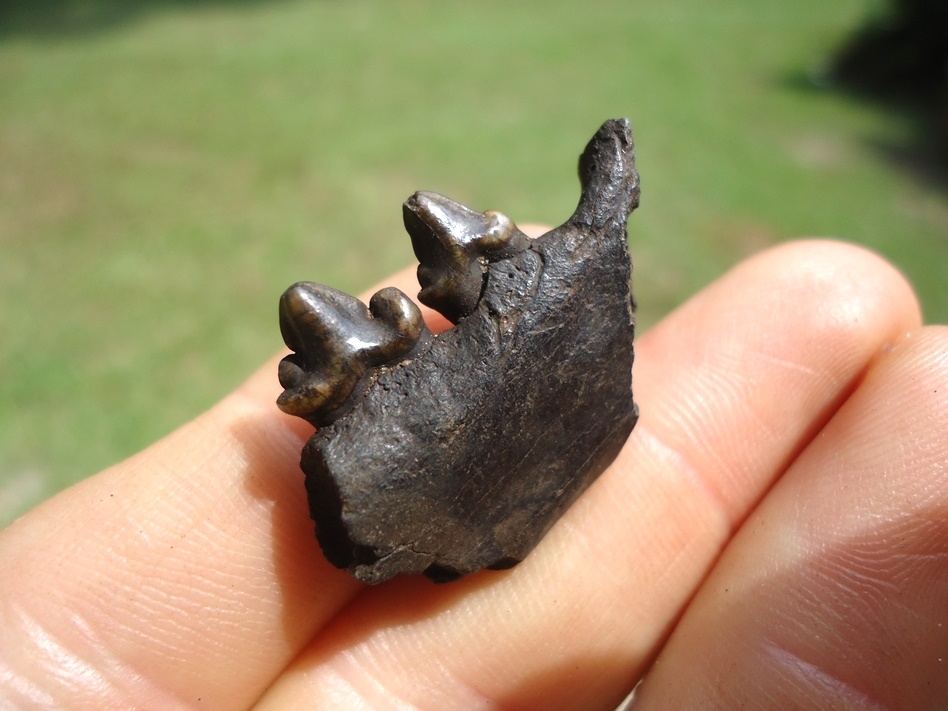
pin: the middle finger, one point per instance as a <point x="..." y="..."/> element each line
<point x="732" y="386"/>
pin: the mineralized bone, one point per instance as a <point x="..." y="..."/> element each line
<point x="447" y="454"/>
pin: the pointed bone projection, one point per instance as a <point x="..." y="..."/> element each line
<point x="448" y="454"/>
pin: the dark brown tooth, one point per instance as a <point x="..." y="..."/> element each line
<point x="454" y="244"/>
<point x="393" y="307"/>
<point x="337" y="340"/>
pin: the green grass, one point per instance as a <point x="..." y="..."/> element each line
<point x="168" y="169"/>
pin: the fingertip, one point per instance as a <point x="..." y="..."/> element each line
<point x="858" y="282"/>
<point x="825" y="293"/>
<point x="534" y="229"/>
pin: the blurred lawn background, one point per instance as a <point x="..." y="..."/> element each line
<point x="168" y="168"/>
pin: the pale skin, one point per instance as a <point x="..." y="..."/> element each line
<point x="774" y="534"/>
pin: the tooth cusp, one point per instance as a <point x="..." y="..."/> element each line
<point x="454" y="244"/>
<point x="337" y="340"/>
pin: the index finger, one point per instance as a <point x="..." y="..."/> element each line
<point x="187" y="573"/>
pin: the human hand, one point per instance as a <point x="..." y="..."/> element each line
<point x="773" y="535"/>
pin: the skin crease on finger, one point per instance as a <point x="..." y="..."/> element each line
<point x="834" y="595"/>
<point x="732" y="387"/>
<point x="188" y="577"/>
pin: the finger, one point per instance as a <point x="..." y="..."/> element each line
<point x="834" y="595"/>
<point x="189" y="572"/>
<point x="731" y="387"/>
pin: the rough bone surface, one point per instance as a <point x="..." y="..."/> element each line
<point x="447" y="454"/>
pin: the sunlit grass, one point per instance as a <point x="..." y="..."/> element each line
<point x="165" y="172"/>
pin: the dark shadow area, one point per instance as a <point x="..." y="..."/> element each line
<point x="312" y="590"/>
<point x="902" y="53"/>
<point x="923" y="156"/>
<point x="67" y="18"/>
<point x="899" y="60"/>
<point x="917" y="160"/>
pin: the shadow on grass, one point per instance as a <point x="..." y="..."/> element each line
<point x="69" y="18"/>
<point x="917" y="160"/>
<point x="897" y="60"/>
<point x="923" y="155"/>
